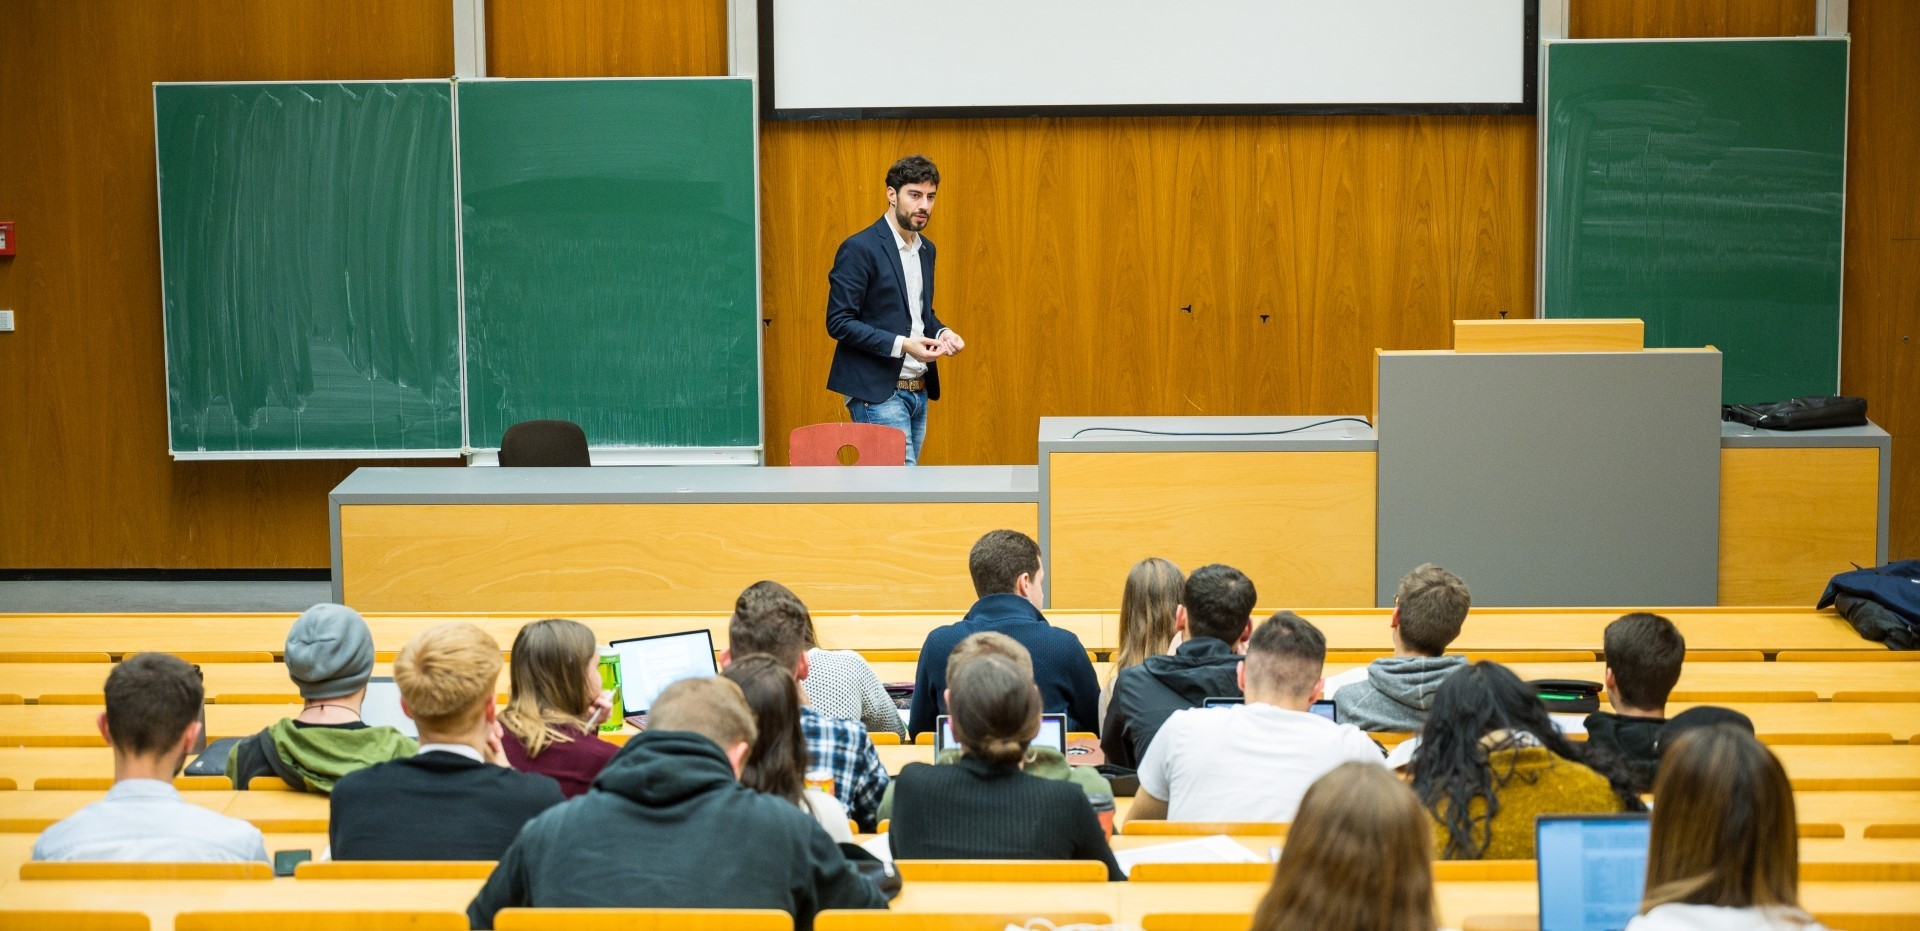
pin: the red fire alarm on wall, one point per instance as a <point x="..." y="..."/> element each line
<point x="6" y="237"/>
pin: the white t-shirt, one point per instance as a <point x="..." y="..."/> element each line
<point x="1677" y="917"/>
<point x="1248" y="762"/>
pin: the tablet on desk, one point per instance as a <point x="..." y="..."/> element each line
<point x="649" y="664"/>
<point x="382" y="707"/>
<point x="1053" y="733"/>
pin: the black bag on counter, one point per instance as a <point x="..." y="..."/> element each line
<point x="1800" y="413"/>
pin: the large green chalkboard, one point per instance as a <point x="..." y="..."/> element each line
<point x="611" y="249"/>
<point x="1698" y="185"/>
<point x="308" y="267"/>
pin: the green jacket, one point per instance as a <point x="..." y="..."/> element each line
<point x="1045" y="762"/>
<point x="315" y="756"/>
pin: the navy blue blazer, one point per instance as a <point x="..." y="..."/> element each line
<point x="867" y="308"/>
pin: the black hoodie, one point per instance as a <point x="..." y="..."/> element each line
<point x="666" y="825"/>
<point x="1146" y="695"/>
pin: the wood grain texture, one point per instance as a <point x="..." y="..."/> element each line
<point x="606" y="38"/>
<point x="672" y="557"/>
<point x="1880" y="303"/>
<point x="1790" y="519"/>
<point x="1299" y="524"/>
<point x="1069" y="249"/>
<point x="89" y="482"/>
<point x="1557" y="335"/>
<point x="1661" y="19"/>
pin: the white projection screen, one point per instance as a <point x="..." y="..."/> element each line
<point x="890" y="59"/>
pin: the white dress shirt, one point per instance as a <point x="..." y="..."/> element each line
<point x="916" y="288"/>
<point x="145" y="820"/>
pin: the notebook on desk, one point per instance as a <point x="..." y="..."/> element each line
<point x="1592" y="870"/>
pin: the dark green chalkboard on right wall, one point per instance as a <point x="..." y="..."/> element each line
<point x="1699" y="185"/>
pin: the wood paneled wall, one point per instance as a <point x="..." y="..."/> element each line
<point x="85" y="479"/>
<point x="1070" y="248"/>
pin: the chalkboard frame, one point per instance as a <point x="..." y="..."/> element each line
<point x="604" y="455"/>
<point x="167" y="348"/>
<point x="1544" y="196"/>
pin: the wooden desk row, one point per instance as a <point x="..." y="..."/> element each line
<point x="255" y="683"/>
<point x="1129" y="903"/>
<point x="1764" y="629"/>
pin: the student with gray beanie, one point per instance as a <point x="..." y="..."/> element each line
<point x="330" y="659"/>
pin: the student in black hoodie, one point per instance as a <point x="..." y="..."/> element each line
<point x="668" y="825"/>
<point x="1644" y="654"/>
<point x="1216" y="612"/>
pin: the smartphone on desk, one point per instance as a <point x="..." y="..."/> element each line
<point x="285" y="860"/>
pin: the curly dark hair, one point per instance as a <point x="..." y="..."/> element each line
<point x="1452" y="768"/>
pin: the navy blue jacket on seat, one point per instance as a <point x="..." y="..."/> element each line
<point x="867" y="308"/>
<point x="1060" y="665"/>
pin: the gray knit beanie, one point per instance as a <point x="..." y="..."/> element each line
<point x="329" y="652"/>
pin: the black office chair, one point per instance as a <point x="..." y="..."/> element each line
<point x="544" y="443"/>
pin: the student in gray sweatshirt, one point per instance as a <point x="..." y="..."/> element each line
<point x="1399" y="689"/>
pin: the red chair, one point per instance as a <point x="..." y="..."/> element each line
<point x="873" y="445"/>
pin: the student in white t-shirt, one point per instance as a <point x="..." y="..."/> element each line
<point x="1252" y="762"/>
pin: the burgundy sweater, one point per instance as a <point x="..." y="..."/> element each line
<point x="573" y="764"/>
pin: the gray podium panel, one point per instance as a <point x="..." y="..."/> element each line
<point x="1564" y="479"/>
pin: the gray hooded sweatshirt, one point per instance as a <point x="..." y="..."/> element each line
<point x="1396" y="693"/>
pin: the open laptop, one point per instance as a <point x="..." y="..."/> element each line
<point x="1053" y="733"/>
<point x="1593" y="870"/>
<point x="649" y="664"/>
<point x="382" y="706"/>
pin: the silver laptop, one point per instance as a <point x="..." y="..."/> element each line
<point x="383" y="707"/>
<point x="1053" y="733"/>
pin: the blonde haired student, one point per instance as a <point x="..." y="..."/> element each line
<point x="557" y="704"/>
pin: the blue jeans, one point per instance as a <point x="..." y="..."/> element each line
<point x="906" y="412"/>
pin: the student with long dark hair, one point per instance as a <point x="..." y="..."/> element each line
<point x="1490" y="761"/>
<point x="1359" y="857"/>
<point x="983" y="806"/>
<point x="777" y="762"/>
<point x="1725" y="850"/>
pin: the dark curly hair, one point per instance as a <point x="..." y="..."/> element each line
<point x="1452" y="768"/>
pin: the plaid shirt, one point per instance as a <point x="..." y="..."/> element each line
<point x="843" y="749"/>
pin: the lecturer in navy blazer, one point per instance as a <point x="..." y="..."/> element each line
<point x="880" y="311"/>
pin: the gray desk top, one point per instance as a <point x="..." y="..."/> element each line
<point x="689" y="485"/>
<point x="1205" y="434"/>
<point x="1734" y="435"/>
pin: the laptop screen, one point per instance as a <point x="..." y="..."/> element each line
<point x="649" y="664"/>
<point x="382" y="706"/>
<point x="1593" y="870"/>
<point x="1053" y="733"/>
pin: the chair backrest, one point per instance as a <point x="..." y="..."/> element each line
<point x="103" y="783"/>
<point x="544" y="443"/>
<point x="394" y="869"/>
<point x="1195" y="921"/>
<point x="642" y="919"/>
<point x="1201" y="873"/>
<point x="422" y="920"/>
<point x="70" y="869"/>
<point x="875" y="920"/>
<point x="1003" y="871"/>
<point x="73" y="921"/>
<point x="820" y="444"/>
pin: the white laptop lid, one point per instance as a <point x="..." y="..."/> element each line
<point x="649" y="664"/>
<point x="382" y="706"/>
<point x="1053" y="733"/>
<point x="1593" y="870"/>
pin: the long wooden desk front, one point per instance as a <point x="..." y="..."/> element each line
<point x="684" y="538"/>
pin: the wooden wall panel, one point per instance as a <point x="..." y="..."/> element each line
<point x="606" y="38"/>
<point x="1071" y="248"/>
<point x="85" y="480"/>
<point x="1663" y="19"/>
<point x="1880" y="304"/>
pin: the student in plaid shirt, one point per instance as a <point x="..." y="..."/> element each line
<point x="769" y="619"/>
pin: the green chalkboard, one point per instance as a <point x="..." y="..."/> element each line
<point x="1698" y="185"/>
<point x="308" y="268"/>
<point x="611" y="250"/>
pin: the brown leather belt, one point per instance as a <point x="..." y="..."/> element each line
<point x="911" y="384"/>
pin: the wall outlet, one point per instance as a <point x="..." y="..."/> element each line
<point x="6" y="321"/>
